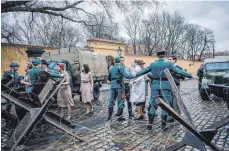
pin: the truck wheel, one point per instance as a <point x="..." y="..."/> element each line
<point x="96" y="92"/>
<point x="204" y="95"/>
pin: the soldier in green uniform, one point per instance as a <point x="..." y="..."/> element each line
<point x="34" y="73"/>
<point x="12" y="73"/>
<point x="160" y="86"/>
<point x="44" y="65"/>
<point x="116" y="75"/>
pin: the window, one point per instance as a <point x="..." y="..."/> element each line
<point x="217" y="66"/>
<point x="53" y="65"/>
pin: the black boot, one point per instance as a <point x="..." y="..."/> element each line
<point x="110" y="109"/>
<point x="163" y="123"/>
<point x="151" y="118"/>
<point x="120" y="118"/>
<point x="130" y="109"/>
<point x="130" y="112"/>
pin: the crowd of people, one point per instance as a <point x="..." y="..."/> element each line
<point x="64" y="95"/>
<point x="132" y="82"/>
<point x="126" y="84"/>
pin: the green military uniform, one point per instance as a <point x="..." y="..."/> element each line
<point x="115" y="76"/>
<point x="14" y="73"/>
<point x="8" y="75"/>
<point x="160" y="85"/>
<point x="52" y="73"/>
<point x="33" y="74"/>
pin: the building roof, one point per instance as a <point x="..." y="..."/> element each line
<point x="105" y="40"/>
<point x="22" y="45"/>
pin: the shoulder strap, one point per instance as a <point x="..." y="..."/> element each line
<point x="119" y="72"/>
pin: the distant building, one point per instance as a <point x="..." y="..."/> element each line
<point x="16" y="52"/>
<point x="106" y="47"/>
<point x="217" y="53"/>
<point x="141" y="50"/>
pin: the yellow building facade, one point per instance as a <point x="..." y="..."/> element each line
<point x="106" y="47"/>
<point x="16" y="53"/>
<point x="110" y="47"/>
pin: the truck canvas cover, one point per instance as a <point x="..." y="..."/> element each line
<point x="76" y="57"/>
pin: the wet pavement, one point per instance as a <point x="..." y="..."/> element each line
<point x="101" y="135"/>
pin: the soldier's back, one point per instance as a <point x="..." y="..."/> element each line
<point x="34" y="73"/>
<point x="158" y="67"/>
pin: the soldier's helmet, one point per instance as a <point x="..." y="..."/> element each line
<point x="36" y="62"/>
<point x="118" y="59"/>
<point x="14" y="64"/>
<point x="44" y="62"/>
<point x="161" y="53"/>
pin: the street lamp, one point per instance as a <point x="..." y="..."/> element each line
<point x="119" y="51"/>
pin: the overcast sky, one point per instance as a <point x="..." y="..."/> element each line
<point x="210" y="14"/>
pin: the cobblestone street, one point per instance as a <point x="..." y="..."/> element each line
<point x="100" y="135"/>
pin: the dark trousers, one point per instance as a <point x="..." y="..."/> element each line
<point x="127" y="94"/>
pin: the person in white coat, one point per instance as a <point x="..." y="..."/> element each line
<point x="137" y="91"/>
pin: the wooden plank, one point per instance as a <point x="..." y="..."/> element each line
<point x="45" y="91"/>
<point x="18" y="131"/>
<point x="62" y="126"/>
<point x="16" y="101"/>
<point x="28" y="128"/>
<point x="166" y="107"/>
<point x="219" y="124"/>
<point x="175" y="91"/>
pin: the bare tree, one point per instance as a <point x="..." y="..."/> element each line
<point x="47" y="31"/>
<point x="106" y="28"/>
<point x="151" y="33"/>
<point x="208" y="40"/>
<point x="132" y="26"/>
<point x="198" y="40"/>
<point x="72" y="10"/>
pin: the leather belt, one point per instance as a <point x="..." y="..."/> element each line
<point x="160" y="79"/>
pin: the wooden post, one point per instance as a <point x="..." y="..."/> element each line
<point x="192" y="137"/>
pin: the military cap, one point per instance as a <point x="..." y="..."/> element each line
<point x="14" y="64"/>
<point x="117" y="59"/>
<point x="44" y="62"/>
<point x="161" y="53"/>
<point x="36" y="62"/>
<point x="141" y="62"/>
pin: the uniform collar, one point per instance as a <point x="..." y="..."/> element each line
<point x="12" y="71"/>
<point x="161" y="59"/>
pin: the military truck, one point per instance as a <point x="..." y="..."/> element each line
<point x="214" y="72"/>
<point x="74" y="58"/>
